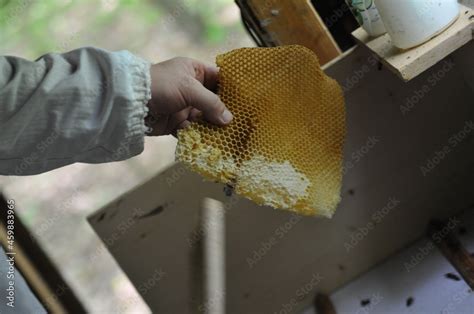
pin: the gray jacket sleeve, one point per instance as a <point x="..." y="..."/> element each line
<point x="87" y="105"/>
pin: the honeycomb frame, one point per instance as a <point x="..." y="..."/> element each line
<point x="284" y="147"/>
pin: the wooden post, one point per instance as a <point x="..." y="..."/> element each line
<point x="213" y="226"/>
<point x="285" y="22"/>
<point x="453" y="250"/>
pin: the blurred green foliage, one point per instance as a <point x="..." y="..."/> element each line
<point x="39" y="26"/>
<point x="39" y="22"/>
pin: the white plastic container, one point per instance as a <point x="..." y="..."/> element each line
<point x="368" y="16"/>
<point x="413" y="22"/>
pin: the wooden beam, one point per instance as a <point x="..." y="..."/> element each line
<point x="410" y="63"/>
<point x="283" y="22"/>
<point x="38" y="270"/>
<point x="443" y="237"/>
<point x="213" y="226"/>
<point x="323" y="304"/>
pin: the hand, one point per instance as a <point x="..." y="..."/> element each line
<point x="182" y="90"/>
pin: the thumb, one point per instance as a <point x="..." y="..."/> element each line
<point x="199" y="97"/>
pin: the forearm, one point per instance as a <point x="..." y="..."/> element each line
<point x="87" y="105"/>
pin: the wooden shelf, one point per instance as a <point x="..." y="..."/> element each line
<point x="411" y="62"/>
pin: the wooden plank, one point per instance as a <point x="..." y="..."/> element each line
<point x="39" y="272"/>
<point x="160" y="233"/>
<point x="293" y="252"/>
<point x="323" y="304"/>
<point x="213" y="227"/>
<point x="286" y="22"/>
<point x="442" y="235"/>
<point x="419" y="279"/>
<point x="410" y="63"/>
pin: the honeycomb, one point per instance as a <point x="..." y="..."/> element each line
<point x="284" y="147"/>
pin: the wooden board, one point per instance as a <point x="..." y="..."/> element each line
<point x="154" y="229"/>
<point x="37" y="272"/>
<point x="295" y="259"/>
<point x="282" y="22"/>
<point x="413" y="281"/>
<point x="410" y="63"/>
